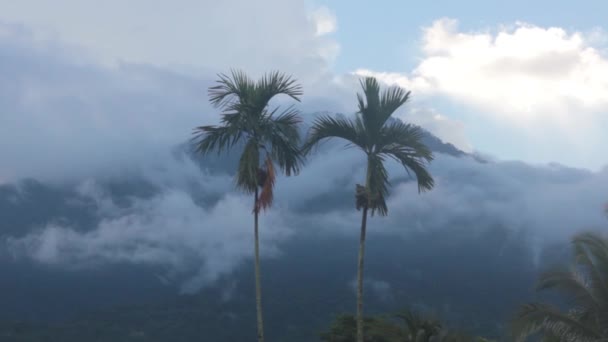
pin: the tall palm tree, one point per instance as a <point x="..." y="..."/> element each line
<point x="379" y="138"/>
<point x="268" y="137"/>
<point x="586" y="284"/>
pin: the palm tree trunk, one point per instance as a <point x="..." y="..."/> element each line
<point x="258" y="286"/>
<point x="360" y="276"/>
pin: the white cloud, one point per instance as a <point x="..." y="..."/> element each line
<point x="545" y="82"/>
<point x="522" y="73"/>
<point x="185" y="34"/>
<point x="65" y="116"/>
<point x="325" y="21"/>
<point x="447" y="129"/>
<point x="549" y="202"/>
<point x="195" y="245"/>
<point x="168" y="230"/>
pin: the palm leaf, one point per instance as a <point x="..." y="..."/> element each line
<point x="591" y="252"/>
<point x="215" y="138"/>
<point x="535" y="317"/>
<point x="369" y="104"/>
<point x="377" y="184"/>
<point x="237" y="88"/>
<point x="281" y="131"/>
<point x="275" y="83"/>
<point x="327" y="127"/>
<point x="391" y="100"/>
<point x="247" y="175"/>
<point x="402" y="142"/>
<point x="570" y="283"/>
<point x="588" y="320"/>
<point x="375" y="107"/>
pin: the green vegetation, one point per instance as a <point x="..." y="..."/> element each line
<point x="586" y="286"/>
<point x="407" y="326"/>
<point x="380" y="139"/>
<point x="246" y="117"/>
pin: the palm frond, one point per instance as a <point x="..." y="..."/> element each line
<point x="327" y="127"/>
<point x="276" y="83"/>
<point x="535" y="317"/>
<point x="377" y="107"/>
<point x="591" y="253"/>
<point x="237" y="88"/>
<point x="377" y="184"/>
<point x="392" y="99"/>
<point x="402" y="142"/>
<point x="369" y="104"/>
<point x="218" y="138"/>
<point x="570" y="283"/>
<point x="281" y="132"/>
<point x="411" y="163"/>
<point x="247" y="175"/>
<point x="406" y="135"/>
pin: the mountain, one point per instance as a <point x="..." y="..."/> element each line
<point x="472" y="274"/>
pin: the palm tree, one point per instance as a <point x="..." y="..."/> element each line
<point x="248" y="122"/>
<point x="586" y="284"/>
<point x="373" y="133"/>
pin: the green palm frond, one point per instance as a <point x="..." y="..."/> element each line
<point x="411" y="163"/>
<point x="587" y="320"/>
<point x="570" y="283"/>
<point x="281" y="131"/>
<point x="377" y="184"/>
<point x="247" y="175"/>
<point x="536" y="317"/>
<point x="327" y="127"/>
<point x="369" y="103"/>
<point x="391" y="100"/>
<point x="377" y="107"/>
<point x="406" y="135"/>
<point x="215" y="138"/>
<point x="402" y="142"/>
<point x="237" y="88"/>
<point x="275" y="83"/>
<point x="591" y="252"/>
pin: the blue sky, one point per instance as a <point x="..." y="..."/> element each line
<point x="516" y="80"/>
<point x="385" y="35"/>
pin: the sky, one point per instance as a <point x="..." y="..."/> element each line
<point x="518" y="82"/>
<point x="92" y="90"/>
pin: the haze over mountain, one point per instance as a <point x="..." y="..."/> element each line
<point x="148" y="235"/>
<point x="111" y="228"/>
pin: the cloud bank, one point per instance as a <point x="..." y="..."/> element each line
<point x="196" y="242"/>
<point x="67" y="118"/>
<point x="544" y="86"/>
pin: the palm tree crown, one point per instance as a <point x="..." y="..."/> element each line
<point x="587" y="286"/>
<point x="373" y="133"/>
<point x="246" y="118"/>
